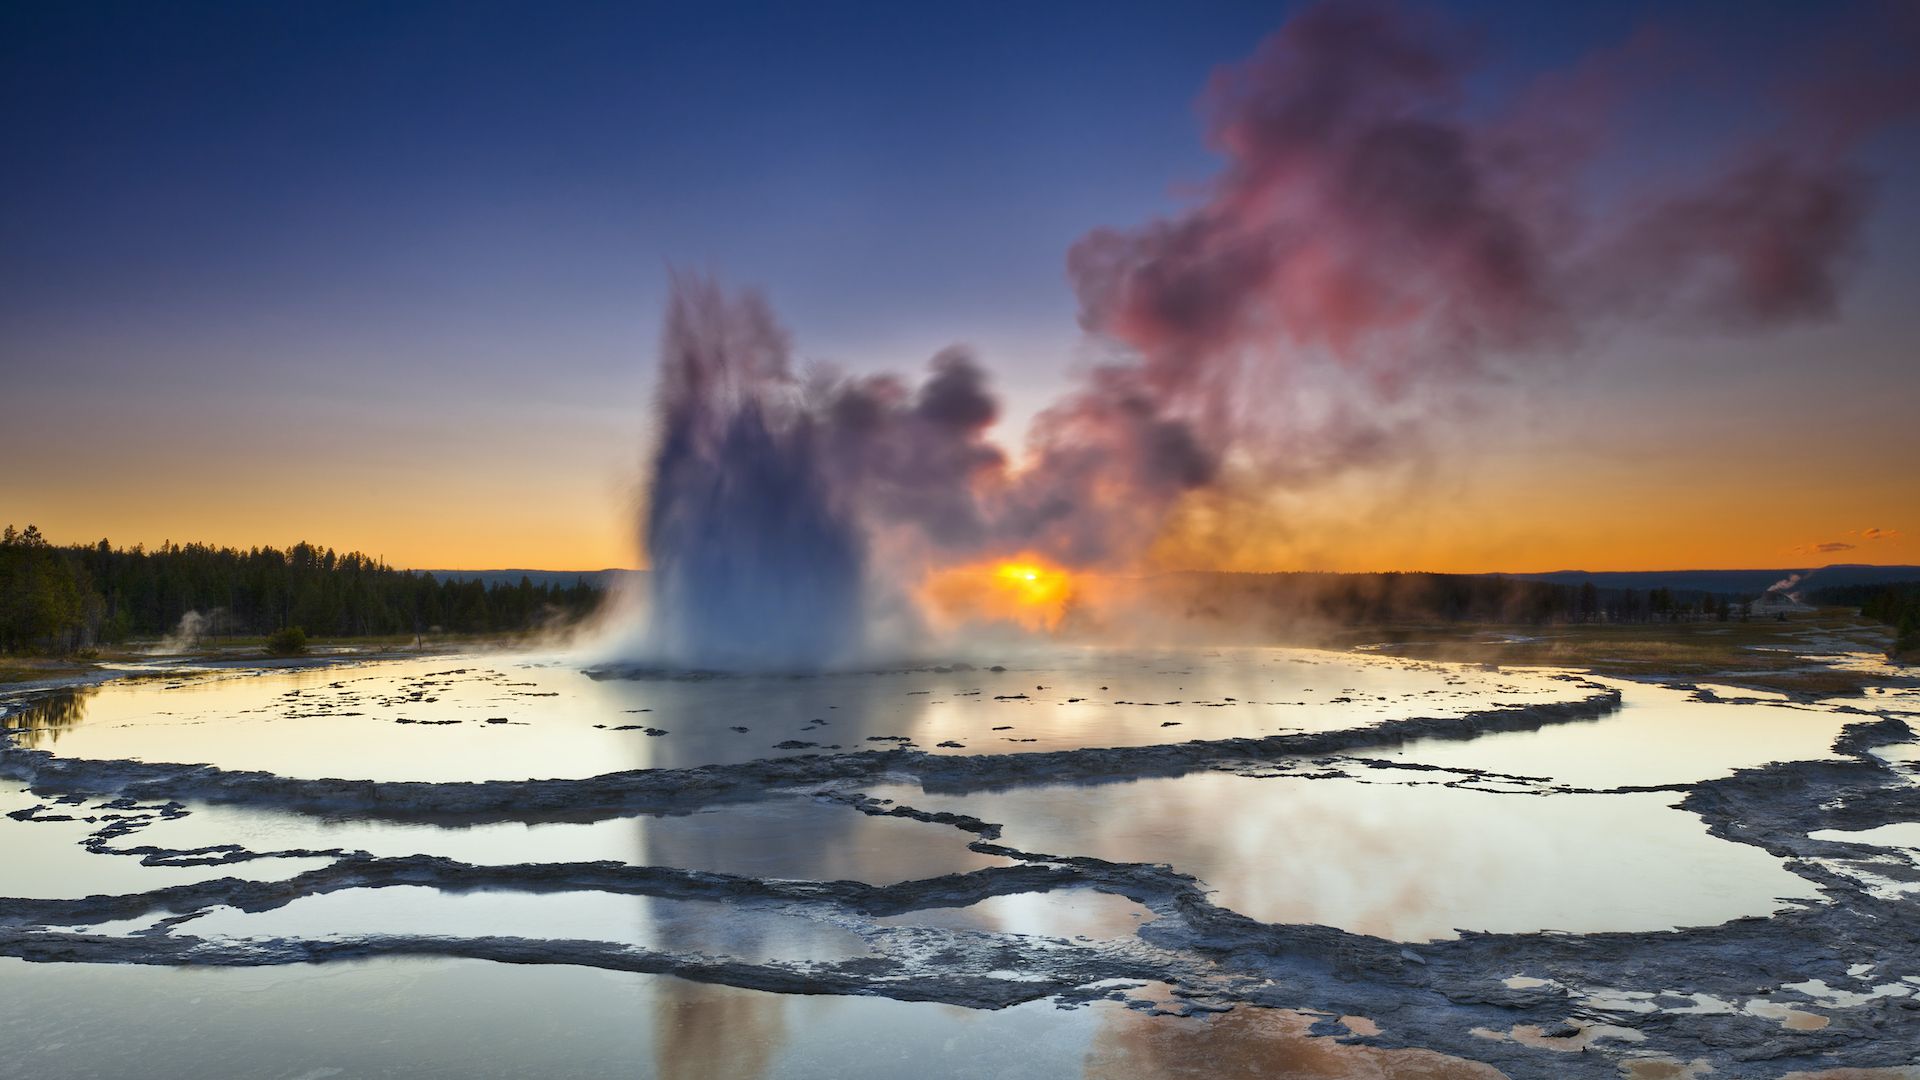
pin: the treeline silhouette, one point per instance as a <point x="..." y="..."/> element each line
<point x="1896" y="604"/>
<point x="1371" y="599"/>
<point x="59" y="598"/>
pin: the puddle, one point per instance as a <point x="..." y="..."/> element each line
<point x="1899" y="834"/>
<point x="1696" y="740"/>
<point x="678" y="926"/>
<point x="1406" y="862"/>
<point x="45" y="859"/>
<point x="1077" y="913"/>
<point x="794" y="837"/>
<point x="1790" y="1018"/>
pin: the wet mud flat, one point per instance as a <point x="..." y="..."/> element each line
<point x="1546" y="875"/>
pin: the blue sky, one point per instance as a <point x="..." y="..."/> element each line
<point x="435" y="237"/>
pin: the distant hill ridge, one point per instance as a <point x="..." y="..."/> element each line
<point x="599" y="579"/>
<point x="1730" y="581"/>
<point x="1727" y="582"/>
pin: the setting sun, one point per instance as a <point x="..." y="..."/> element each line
<point x="1025" y="590"/>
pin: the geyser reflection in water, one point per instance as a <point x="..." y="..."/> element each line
<point x="472" y="1018"/>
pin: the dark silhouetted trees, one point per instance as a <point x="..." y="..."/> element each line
<point x="1896" y="604"/>
<point x="47" y="603"/>
<point x="57" y="599"/>
<point x="1378" y="599"/>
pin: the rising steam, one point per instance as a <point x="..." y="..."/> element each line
<point x="1371" y="246"/>
<point x="185" y="636"/>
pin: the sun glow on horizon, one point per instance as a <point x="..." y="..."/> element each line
<point x="1025" y="590"/>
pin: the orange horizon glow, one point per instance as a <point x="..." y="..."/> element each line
<point x="1461" y="541"/>
<point x="1522" y="507"/>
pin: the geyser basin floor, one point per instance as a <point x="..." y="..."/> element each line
<point x="515" y="717"/>
<point x="996" y="886"/>
<point x="45" y="857"/>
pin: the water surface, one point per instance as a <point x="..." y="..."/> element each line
<point x="511" y="716"/>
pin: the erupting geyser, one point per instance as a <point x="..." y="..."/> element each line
<point x="754" y="564"/>
<point x="790" y="514"/>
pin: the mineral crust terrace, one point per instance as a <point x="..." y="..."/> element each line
<point x="1588" y="1004"/>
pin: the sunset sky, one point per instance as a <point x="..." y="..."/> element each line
<point x="390" y="277"/>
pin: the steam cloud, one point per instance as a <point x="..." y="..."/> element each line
<point x="186" y="634"/>
<point x="1370" y="241"/>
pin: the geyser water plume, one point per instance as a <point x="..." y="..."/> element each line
<point x="755" y="563"/>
